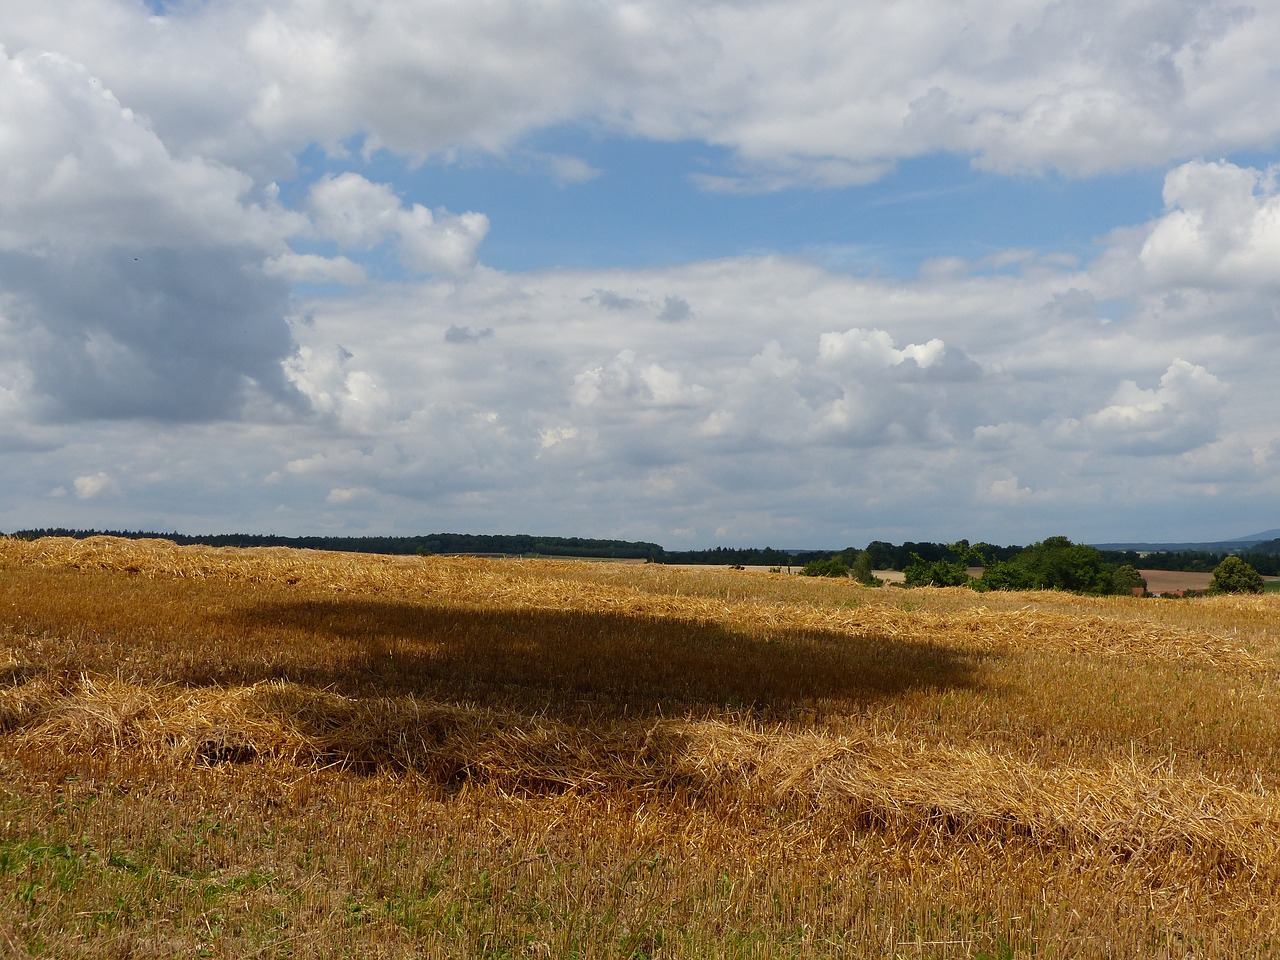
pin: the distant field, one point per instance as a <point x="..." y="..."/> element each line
<point x="1166" y="581"/>
<point x="280" y="753"/>
<point x="1158" y="581"/>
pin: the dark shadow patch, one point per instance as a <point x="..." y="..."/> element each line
<point x="213" y="753"/>
<point x="613" y="664"/>
<point x="532" y="700"/>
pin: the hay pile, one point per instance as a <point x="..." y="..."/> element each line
<point x="1171" y="832"/>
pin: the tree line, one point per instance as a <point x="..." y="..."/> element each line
<point x="1263" y="557"/>
<point x="435" y="543"/>
<point x="1054" y="563"/>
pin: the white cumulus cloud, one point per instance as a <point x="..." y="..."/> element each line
<point x="875" y="348"/>
<point x="360" y="215"/>
<point x="1180" y="414"/>
<point x="93" y="485"/>
<point x="78" y="166"/>
<point x="815" y="92"/>
<point x="1222" y="228"/>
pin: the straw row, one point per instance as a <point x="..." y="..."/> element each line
<point x="1173" y="829"/>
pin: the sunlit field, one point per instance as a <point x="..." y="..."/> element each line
<point x="272" y="753"/>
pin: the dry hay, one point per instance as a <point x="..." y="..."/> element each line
<point x="1123" y="827"/>
<point x="554" y="585"/>
<point x="1171" y="833"/>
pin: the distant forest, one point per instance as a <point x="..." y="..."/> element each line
<point x="435" y="543"/>
<point x="1263" y="557"/>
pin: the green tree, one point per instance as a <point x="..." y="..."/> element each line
<point x="1127" y="579"/>
<point x="1233" y="575"/>
<point x="1053" y="564"/>
<point x="1058" y="564"/>
<point x="883" y="555"/>
<point x="862" y="571"/>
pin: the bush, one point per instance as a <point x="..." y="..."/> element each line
<point x="825" y="568"/>
<point x="1233" y="575"/>
<point x="1004" y="575"/>
<point x="938" y="573"/>
<point x="1053" y="564"/>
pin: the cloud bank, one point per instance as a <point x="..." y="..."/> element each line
<point x="818" y="92"/>
<point x="204" y="326"/>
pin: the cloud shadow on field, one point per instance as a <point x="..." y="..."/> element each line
<point x="530" y="700"/>
<point x="606" y="663"/>
<point x="540" y="701"/>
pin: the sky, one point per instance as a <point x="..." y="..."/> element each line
<point x="800" y="273"/>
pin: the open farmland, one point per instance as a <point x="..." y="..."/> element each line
<point x="274" y="753"/>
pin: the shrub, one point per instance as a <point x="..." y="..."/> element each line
<point x="1004" y="575"/>
<point x="938" y="573"/>
<point x="1053" y="564"/>
<point x="862" y="571"/>
<point x="831" y="567"/>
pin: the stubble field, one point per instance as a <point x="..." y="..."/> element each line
<point x="273" y="753"/>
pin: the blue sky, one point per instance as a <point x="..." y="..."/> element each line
<point x="643" y="209"/>
<point x="803" y="273"/>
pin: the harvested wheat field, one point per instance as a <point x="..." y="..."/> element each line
<point x="272" y="753"/>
